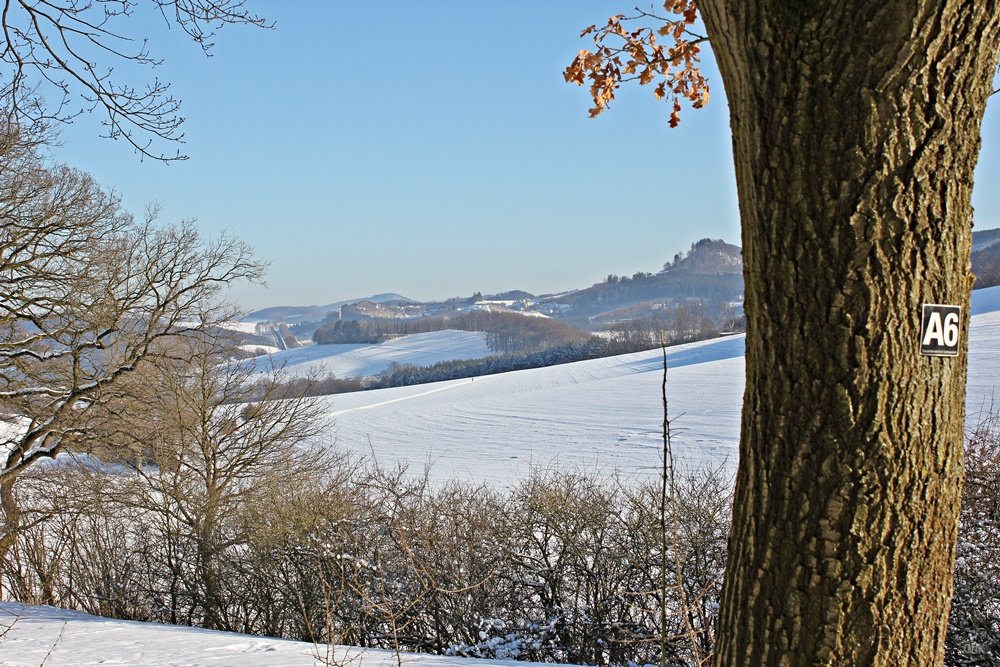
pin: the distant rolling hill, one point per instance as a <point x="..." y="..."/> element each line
<point x="710" y="273"/>
<point x="985" y="238"/>
<point x="294" y="314"/>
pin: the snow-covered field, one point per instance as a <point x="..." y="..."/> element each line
<point x="349" y="361"/>
<point x="985" y="300"/>
<point x="34" y="636"/>
<point x="983" y="384"/>
<point x="603" y="414"/>
<point x="242" y="327"/>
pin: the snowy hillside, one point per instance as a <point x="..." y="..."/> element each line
<point x="62" y="638"/>
<point x="600" y="414"/>
<point x="603" y="414"/>
<point x="350" y="361"/>
<point x="985" y="300"/>
<point x="292" y="314"/>
<point x="983" y="384"/>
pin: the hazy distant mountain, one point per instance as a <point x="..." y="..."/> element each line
<point x="294" y="314"/>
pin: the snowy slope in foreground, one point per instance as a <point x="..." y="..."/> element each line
<point x="61" y="638"/>
<point x="601" y="415"/>
<point x="349" y="361"/>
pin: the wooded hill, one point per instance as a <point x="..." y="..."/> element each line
<point x="986" y="258"/>
<point x="711" y="272"/>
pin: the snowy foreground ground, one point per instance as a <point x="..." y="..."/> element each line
<point x="602" y="415"/>
<point x="59" y="638"/>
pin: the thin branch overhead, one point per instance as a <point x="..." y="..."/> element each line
<point x="63" y="59"/>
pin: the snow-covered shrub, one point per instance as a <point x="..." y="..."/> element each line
<point x="503" y="640"/>
<point x="583" y="578"/>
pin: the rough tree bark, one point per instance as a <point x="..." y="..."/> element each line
<point x="856" y="130"/>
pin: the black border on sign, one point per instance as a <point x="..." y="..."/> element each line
<point x="920" y="337"/>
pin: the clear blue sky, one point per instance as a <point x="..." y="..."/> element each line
<point x="432" y="149"/>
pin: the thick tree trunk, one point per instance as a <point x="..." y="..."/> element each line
<point x="856" y="130"/>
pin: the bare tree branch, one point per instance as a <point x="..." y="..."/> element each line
<point x="59" y="61"/>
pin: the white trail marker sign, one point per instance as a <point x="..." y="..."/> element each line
<point x="940" y="330"/>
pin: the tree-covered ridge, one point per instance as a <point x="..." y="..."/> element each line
<point x="710" y="272"/>
<point x="986" y="257"/>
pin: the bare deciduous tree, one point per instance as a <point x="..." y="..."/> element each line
<point x="87" y="294"/>
<point x="204" y="454"/>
